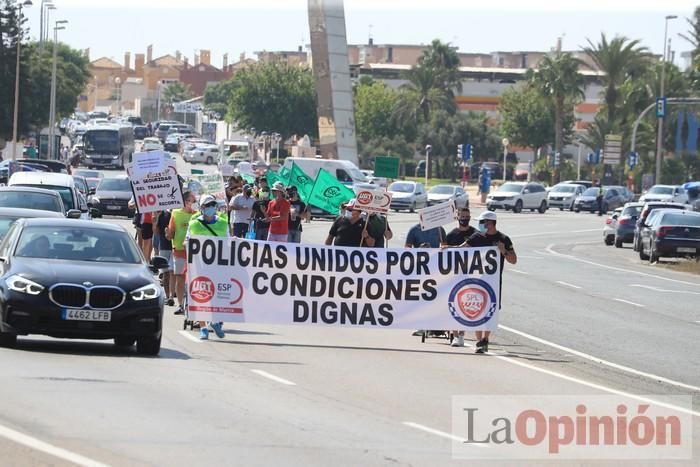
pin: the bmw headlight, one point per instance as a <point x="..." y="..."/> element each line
<point x="148" y="292"/>
<point x="23" y="285"/>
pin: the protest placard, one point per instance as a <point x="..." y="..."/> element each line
<point x="377" y="200"/>
<point x="212" y="184"/>
<point x="239" y="280"/>
<point x="144" y="163"/>
<point x="156" y="191"/>
<point x="437" y="216"/>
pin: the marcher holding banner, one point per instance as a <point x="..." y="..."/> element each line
<point x="207" y="224"/>
<point x="488" y="235"/>
<point x="349" y="229"/>
<point x="297" y="213"/>
<point x="278" y="215"/>
<point x="177" y="232"/>
<point x="419" y="238"/>
<point x="378" y="228"/>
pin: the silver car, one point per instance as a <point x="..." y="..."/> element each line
<point x="563" y="195"/>
<point x="518" y="196"/>
<point x="441" y="193"/>
<point x="407" y="195"/>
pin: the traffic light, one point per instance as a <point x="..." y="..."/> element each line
<point x="557" y="159"/>
<point x="460" y="151"/>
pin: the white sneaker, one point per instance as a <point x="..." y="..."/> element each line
<point x="458" y="341"/>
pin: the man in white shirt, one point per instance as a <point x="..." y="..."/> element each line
<point x="241" y="208"/>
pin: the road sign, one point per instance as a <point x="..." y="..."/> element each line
<point x="187" y="107"/>
<point x="660" y="107"/>
<point x="386" y="167"/>
<point x="613" y="149"/>
<point x="467" y="152"/>
<point x="632" y="159"/>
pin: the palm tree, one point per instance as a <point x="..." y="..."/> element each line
<point x="559" y="81"/>
<point x="176" y="92"/>
<point x="619" y="59"/>
<point x="422" y="95"/>
<point x="443" y="59"/>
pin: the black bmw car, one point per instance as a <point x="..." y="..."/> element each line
<point x="78" y="279"/>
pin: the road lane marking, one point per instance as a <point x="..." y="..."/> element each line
<point x="629" y="303"/>
<point x="267" y="375"/>
<point x="50" y="449"/>
<point x="654" y="276"/>
<point x="566" y="284"/>
<point x="442" y="434"/>
<point x="518" y="271"/>
<point x="600" y="387"/>
<point x="600" y="360"/>
<point x="657" y="289"/>
<point x="553" y="233"/>
<point x="189" y="336"/>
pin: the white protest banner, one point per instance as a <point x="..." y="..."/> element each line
<point x="227" y="170"/>
<point x="377" y="200"/>
<point x="144" y="163"/>
<point x="437" y="216"/>
<point x="239" y="280"/>
<point x="212" y="184"/>
<point x="158" y="191"/>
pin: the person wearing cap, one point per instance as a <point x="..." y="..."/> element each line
<point x="241" y="208"/>
<point x="260" y="223"/>
<point x="348" y="229"/>
<point x="457" y="237"/>
<point x="176" y="233"/>
<point x="209" y="223"/>
<point x="297" y="212"/>
<point x="488" y="235"/>
<point x="278" y="215"/>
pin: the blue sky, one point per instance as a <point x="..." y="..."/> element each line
<point x="236" y="26"/>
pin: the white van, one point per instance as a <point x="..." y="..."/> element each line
<point x="63" y="184"/>
<point x="345" y="171"/>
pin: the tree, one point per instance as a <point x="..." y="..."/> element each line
<point x="374" y="110"/>
<point x="443" y="60"/>
<point x="422" y="95"/>
<point x="528" y="119"/>
<point x="176" y="92"/>
<point x="559" y="82"/>
<point x="618" y="59"/>
<point x="217" y="97"/>
<point x="274" y="97"/>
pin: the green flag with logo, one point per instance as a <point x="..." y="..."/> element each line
<point x="303" y="183"/>
<point x="273" y="177"/>
<point x="248" y="178"/>
<point x="284" y="173"/>
<point x="328" y="193"/>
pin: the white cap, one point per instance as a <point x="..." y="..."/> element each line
<point x="487" y="216"/>
<point x="278" y="186"/>
<point x="206" y="199"/>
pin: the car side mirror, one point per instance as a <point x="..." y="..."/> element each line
<point x="157" y="263"/>
<point x="526" y="191"/>
<point x="73" y="214"/>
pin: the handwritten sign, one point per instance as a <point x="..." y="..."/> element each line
<point x="437" y="216"/>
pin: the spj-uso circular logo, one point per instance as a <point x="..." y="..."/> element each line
<point x="472" y="302"/>
<point x="201" y="289"/>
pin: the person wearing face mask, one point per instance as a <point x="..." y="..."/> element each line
<point x="488" y="235"/>
<point x="278" y="215"/>
<point x="209" y="223"/>
<point x="261" y="225"/>
<point x="348" y="229"/>
<point x="241" y="207"/>
<point x="176" y="233"/>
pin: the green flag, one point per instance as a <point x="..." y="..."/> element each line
<point x="302" y="182"/>
<point x="248" y="178"/>
<point x="273" y="177"/>
<point x="328" y="193"/>
<point x="284" y="173"/>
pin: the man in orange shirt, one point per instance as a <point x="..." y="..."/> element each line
<point x="278" y="215"/>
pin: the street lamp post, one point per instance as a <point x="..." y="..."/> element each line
<point x="15" y="118"/>
<point x="506" y="143"/>
<point x="278" y="138"/>
<point x="42" y="22"/>
<point x="47" y="21"/>
<point x="428" y="148"/>
<point x="118" y="83"/>
<point x="659" y="135"/>
<point x="52" y="107"/>
<point x="97" y="94"/>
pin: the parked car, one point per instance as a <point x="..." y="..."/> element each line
<point x="646" y="211"/>
<point x="586" y="183"/>
<point x="82" y="185"/>
<point x="588" y="200"/>
<point x="379" y="181"/>
<point x="112" y="197"/>
<point x="172" y="142"/>
<point x="58" y="277"/>
<point x="670" y="233"/>
<point x="151" y="144"/>
<point x="441" y="193"/>
<point x="60" y="183"/>
<point x="141" y="132"/>
<point x="563" y="195"/>
<point x="28" y="198"/>
<point x="610" y="227"/>
<point x="518" y="196"/>
<point x="521" y="172"/>
<point x="202" y="153"/>
<point x="407" y="195"/>
<point x="668" y="193"/>
<point x="626" y="223"/>
<point x="9" y="216"/>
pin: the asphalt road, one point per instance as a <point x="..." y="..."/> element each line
<point x="578" y="318"/>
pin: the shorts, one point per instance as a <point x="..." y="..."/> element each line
<point x="240" y="229"/>
<point x="167" y="254"/>
<point x="178" y="265"/>
<point x="147" y="231"/>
